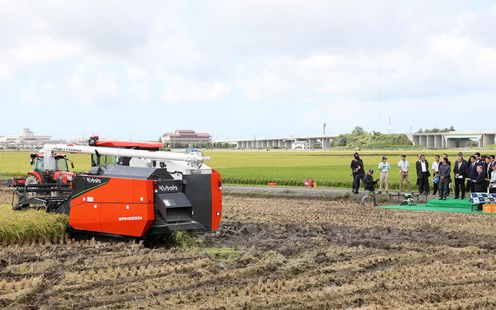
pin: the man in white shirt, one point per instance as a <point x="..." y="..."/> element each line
<point x="404" y="165"/>
<point x="384" y="168"/>
<point x="492" y="183"/>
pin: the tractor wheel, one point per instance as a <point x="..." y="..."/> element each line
<point x="31" y="180"/>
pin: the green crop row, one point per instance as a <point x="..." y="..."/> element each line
<point x="294" y="182"/>
<point x="291" y="168"/>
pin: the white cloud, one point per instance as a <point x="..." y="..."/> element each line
<point x="93" y="87"/>
<point x="42" y="49"/>
<point x="137" y="73"/>
<point x="179" y="89"/>
<point x="294" y="57"/>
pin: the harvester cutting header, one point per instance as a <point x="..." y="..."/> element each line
<point x="132" y="189"/>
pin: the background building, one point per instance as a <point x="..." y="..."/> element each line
<point x="311" y="142"/>
<point x="186" y="138"/>
<point x="26" y="139"/>
<point x="453" y="139"/>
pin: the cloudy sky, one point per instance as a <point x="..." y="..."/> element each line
<point x="245" y="68"/>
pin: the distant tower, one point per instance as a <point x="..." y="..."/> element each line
<point x="324" y="128"/>
<point x="390" y="125"/>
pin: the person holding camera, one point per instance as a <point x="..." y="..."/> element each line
<point x="369" y="184"/>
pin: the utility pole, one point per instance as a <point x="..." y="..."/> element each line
<point x="323" y="138"/>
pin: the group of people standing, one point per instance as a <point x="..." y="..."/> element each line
<point x="476" y="175"/>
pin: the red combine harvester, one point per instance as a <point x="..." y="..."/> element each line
<point x="132" y="190"/>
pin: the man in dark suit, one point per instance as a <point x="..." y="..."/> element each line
<point x="423" y="175"/>
<point x="487" y="167"/>
<point x="471" y="174"/>
<point x="478" y="160"/>
<point x="480" y="181"/>
<point x="460" y="170"/>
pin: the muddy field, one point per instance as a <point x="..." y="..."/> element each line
<point x="271" y="253"/>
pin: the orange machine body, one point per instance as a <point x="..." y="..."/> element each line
<point x="117" y="206"/>
<point x="216" y="186"/>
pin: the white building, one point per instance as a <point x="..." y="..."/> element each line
<point x="186" y="138"/>
<point x="26" y="139"/>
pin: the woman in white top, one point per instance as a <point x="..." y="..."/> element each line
<point x="384" y="168"/>
<point x="435" y="173"/>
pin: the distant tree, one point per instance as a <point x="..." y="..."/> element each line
<point x="358" y="131"/>
<point x="359" y="138"/>
<point x="340" y="141"/>
<point x="436" y="130"/>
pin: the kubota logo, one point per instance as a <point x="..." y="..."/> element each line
<point x="94" y="180"/>
<point x="167" y="188"/>
<point x="67" y="149"/>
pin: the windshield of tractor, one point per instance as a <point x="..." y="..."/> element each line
<point x="62" y="164"/>
<point x="38" y="165"/>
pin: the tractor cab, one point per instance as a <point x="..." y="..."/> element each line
<point x="54" y="169"/>
<point x="61" y="162"/>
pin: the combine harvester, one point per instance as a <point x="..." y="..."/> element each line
<point x="132" y="190"/>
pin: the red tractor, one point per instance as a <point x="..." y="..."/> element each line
<point x="41" y="175"/>
<point x="49" y="181"/>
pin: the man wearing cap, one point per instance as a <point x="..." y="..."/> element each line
<point x="404" y="165"/>
<point x="423" y="175"/>
<point x="369" y="184"/>
<point x="357" y="171"/>
<point x="384" y="168"/>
